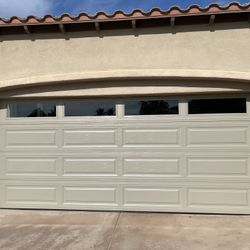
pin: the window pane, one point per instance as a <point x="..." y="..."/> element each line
<point x="90" y="108"/>
<point x="154" y="107"/>
<point x="213" y="106"/>
<point x="32" y="109"/>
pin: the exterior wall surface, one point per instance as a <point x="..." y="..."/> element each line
<point x="182" y="162"/>
<point x="198" y="51"/>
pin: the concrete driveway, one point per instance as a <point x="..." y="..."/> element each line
<point x="126" y="231"/>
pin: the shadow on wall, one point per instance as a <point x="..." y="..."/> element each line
<point x="127" y="88"/>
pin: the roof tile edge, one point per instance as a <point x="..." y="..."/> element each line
<point x="174" y="11"/>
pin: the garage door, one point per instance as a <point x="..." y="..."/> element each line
<point x="157" y="154"/>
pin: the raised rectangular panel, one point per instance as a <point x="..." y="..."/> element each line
<point x="90" y="195"/>
<point x="30" y="194"/>
<point x="30" y="166"/>
<point x="2" y="136"/>
<point x="148" y="137"/>
<point x="33" y="138"/>
<point x="89" y="137"/>
<point x="2" y="166"/>
<point x="217" y="197"/>
<point x="2" y="196"/>
<point x="217" y="136"/>
<point x="151" y="167"/>
<point x="217" y="167"/>
<point x="86" y="167"/>
<point x="152" y="196"/>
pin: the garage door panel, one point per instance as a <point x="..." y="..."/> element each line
<point x="222" y="136"/>
<point x="174" y="163"/>
<point x="220" y="167"/>
<point x="31" y="138"/>
<point x="153" y="196"/>
<point x="21" y="194"/>
<point x="151" y="137"/>
<point x="93" y="138"/>
<point x="151" y="167"/>
<point x="89" y="167"/>
<point x="98" y="196"/>
<point x="31" y="166"/>
<point x="218" y="197"/>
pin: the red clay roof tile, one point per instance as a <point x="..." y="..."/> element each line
<point x="120" y="15"/>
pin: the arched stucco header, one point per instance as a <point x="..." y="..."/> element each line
<point x="191" y="52"/>
<point x="139" y="74"/>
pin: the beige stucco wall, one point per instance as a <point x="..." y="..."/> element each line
<point x="190" y="52"/>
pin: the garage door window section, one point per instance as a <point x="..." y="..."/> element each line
<point x="217" y="106"/>
<point x="90" y="108"/>
<point x="31" y="109"/>
<point x="152" y="107"/>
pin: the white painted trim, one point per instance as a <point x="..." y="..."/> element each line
<point x="248" y="105"/>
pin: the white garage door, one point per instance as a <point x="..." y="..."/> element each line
<point x="159" y="154"/>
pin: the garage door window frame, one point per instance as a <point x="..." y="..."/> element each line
<point x="120" y="109"/>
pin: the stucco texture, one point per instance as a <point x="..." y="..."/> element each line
<point x="185" y="52"/>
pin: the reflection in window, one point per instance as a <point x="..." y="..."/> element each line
<point x="154" y="107"/>
<point x="32" y="109"/>
<point x="213" y="106"/>
<point x="90" y="108"/>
